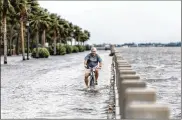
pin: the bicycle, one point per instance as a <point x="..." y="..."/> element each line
<point x="92" y="77"/>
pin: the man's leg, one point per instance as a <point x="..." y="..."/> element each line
<point x="86" y="77"/>
<point x="96" y="75"/>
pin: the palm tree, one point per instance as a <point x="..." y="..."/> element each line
<point x="87" y="33"/>
<point x="83" y="38"/>
<point x="71" y="32"/>
<point x="1" y="26"/>
<point x="64" y="30"/>
<point x="55" y="27"/>
<point x="35" y="22"/>
<point x="21" y="7"/>
<point x="12" y="30"/>
<point x="44" y="23"/>
<point x="77" y="33"/>
<point x="17" y="40"/>
<point x="6" y="8"/>
<point x="45" y="19"/>
<point x="35" y="10"/>
<point x="61" y="34"/>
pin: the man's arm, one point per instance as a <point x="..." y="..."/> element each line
<point x="85" y="60"/>
<point x="100" y="61"/>
<point x="100" y="64"/>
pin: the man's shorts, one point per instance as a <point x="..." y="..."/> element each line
<point x="87" y="71"/>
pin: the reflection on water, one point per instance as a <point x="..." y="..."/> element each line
<point x="161" y="69"/>
<point x="53" y="88"/>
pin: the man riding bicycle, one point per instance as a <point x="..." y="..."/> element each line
<point x="92" y="60"/>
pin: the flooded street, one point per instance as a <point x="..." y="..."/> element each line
<point x="53" y="88"/>
<point x="161" y="69"/>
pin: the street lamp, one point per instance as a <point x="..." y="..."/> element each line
<point x="28" y="36"/>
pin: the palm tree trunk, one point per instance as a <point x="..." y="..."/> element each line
<point x="22" y="40"/>
<point x="5" y="38"/>
<point x="11" y="39"/>
<point x="54" y="43"/>
<point x="32" y="45"/>
<point x="10" y="42"/>
<point x="37" y="42"/>
<point x="43" y="38"/>
<point x="17" y="44"/>
<point x="1" y="39"/>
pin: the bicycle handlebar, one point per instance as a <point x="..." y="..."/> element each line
<point x="97" y="67"/>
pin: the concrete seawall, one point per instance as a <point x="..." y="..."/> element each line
<point x="133" y="99"/>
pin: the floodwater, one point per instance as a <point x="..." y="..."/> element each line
<point x="161" y="69"/>
<point x="53" y="88"/>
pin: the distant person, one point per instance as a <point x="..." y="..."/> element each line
<point x="92" y="60"/>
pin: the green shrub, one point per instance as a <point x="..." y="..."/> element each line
<point x="80" y="48"/>
<point x="43" y="53"/>
<point x="61" y="50"/>
<point x="84" y="48"/>
<point x="75" y="49"/>
<point x="69" y="49"/>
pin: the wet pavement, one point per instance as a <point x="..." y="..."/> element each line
<point x="53" y="88"/>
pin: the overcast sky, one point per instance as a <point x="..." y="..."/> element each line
<point x="123" y="21"/>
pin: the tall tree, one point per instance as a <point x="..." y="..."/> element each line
<point x="64" y="30"/>
<point x="12" y="31"/>
<point x="6" y="8"/>
<point x="44" y="23"/>
<point x="87" y="36"/>
<point x="55" y="27"/>
<point x="21" y="7"/>
<point x="77" y="33"/>
<point x="1" y="27"/>
<point x="35" y="22"/>
<point x="71" y="32"/>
